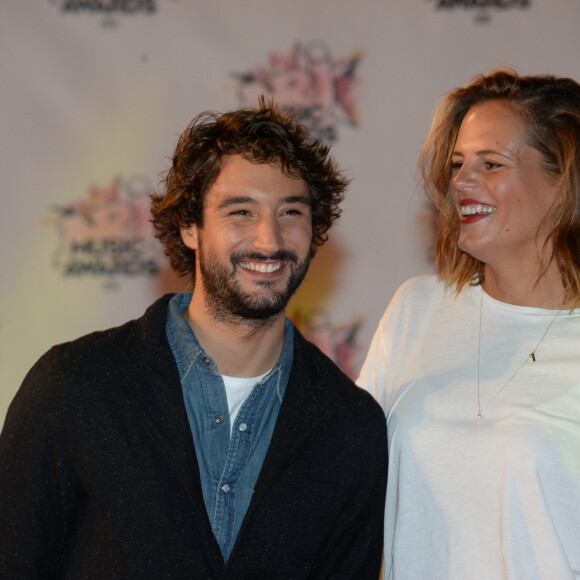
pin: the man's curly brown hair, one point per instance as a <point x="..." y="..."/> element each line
<point x="262" y="135"/>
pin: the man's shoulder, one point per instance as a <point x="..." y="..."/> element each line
<point x="87" y="376"/>
<point x="110" y="339"/>
<point x="98" y="351"/>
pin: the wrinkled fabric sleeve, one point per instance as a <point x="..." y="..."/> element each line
<point x="377" y="372"/>
<point x="354" y="549"/>
<point x="37" y="489"/>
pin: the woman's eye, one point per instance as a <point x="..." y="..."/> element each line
<point x="455" y="165"/>
<point x="492" y="164"/>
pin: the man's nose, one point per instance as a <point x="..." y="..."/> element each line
<point x="267" y="236"/>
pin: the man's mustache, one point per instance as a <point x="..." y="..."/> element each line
<point x="257" y="257"/>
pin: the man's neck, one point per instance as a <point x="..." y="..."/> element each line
<point x="239" y="349"/>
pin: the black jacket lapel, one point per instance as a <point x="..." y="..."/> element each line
<point x="301" y="416"/>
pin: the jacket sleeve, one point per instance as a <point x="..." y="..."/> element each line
<point x="354" y="549"/>
<point x="37" y="492"/>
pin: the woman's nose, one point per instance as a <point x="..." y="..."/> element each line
<point x="463" y="178"/>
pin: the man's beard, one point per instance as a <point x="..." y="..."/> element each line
<point x="227" y="300"/>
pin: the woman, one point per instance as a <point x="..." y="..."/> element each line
<point x="478" y="369"/>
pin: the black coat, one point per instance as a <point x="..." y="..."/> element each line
<point x="99" y="477"/>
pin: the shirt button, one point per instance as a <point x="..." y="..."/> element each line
<point x="225" y="488"/>
<point x="205" y="361"/>
<point x="218" y="419"/>
<point x="243" y="427"/>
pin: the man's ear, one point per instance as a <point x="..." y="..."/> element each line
<point x="189" y="237"/>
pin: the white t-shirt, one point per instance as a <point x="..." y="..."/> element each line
<point x="492" y="499"/>
<point x="238" y="389"/>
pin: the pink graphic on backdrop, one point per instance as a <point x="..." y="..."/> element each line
<point x="321" y="90"/>
<point x="339" y="343"/>
<point x="309" y="81"/>
<point x="107" y="233"/>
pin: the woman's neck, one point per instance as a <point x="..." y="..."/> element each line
<point x="520" y="286"/>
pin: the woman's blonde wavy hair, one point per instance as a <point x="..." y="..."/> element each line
<point x="550" y="109"/>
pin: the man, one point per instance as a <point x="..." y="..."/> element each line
<point x="206" y="439"/>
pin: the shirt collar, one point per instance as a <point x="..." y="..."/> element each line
<point x="186" y="348"/>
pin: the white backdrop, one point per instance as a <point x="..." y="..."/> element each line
<point x="93" y="96"/>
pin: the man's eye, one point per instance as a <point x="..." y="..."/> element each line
<point x="240" y="212"/>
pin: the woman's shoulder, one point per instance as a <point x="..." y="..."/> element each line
<point x="420" y="289"/>
<point x="420" y="285"/>
<point x="423" y="296"/>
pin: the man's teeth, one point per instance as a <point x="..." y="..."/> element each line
<point x="476" y="209"/>
<point x="261" y="267"/>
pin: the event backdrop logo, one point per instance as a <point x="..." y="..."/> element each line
<point x="107" y="8"/>
<point x="107" y="234"/>
<point x="308" y="80"/>
<point x="481" y="8"/>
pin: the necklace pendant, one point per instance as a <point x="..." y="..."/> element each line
<point x="478" y="416"/>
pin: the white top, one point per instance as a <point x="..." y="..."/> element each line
<point x="492" y="499"/>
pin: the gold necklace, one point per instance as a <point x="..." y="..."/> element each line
<point x="532" y="356"/>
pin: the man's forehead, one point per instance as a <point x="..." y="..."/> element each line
<point x="248" y="182"/>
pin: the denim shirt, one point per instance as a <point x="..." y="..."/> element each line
<point x="229" y="465"/>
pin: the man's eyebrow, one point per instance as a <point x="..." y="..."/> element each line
<point x="236" y="200"/>
<point x="303" y="199"/>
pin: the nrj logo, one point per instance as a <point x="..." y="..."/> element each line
<point x="108" y="8"/>
<point x="108" y="233"/>
<point x="310" y="82"/>
<point x="482" y="7"/>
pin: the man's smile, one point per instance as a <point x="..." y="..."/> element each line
<point x="263" y="267"/>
